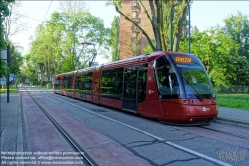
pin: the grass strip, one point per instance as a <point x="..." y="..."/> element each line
<point x="13" y="89"/>
<point x="239" y="101"/>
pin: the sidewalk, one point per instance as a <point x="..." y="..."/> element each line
<point x="11" y="123"/>
<point x="234" y="116"/>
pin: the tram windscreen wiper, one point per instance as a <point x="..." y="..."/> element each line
<point x="196" y="93"/>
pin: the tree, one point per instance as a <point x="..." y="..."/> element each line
<point x="194" y="30"/>
<point x="218" y="52"/>
<point x="73" y="6"/>
<point x="242" y="71"/>
<point x="56" y="44"/>
<point x="12" y="23"/>
<point x="114" y="40"/>
<point x="237" y="27"/>
<point x="43" y="51"/>
<point x="15" y="60"/>
<point x="4" y="68"/>
<point x="29" y="70"/>
<point x="4" y="12"/>
<point x="159" y="17"/>
<point x="80" y="27"/>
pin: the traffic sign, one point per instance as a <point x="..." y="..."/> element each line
<point x="4" y="54"/>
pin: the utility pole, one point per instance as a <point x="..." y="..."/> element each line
<point x="8" y="75"/>
<point x="188" y="27"/>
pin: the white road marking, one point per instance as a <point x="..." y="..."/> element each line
<point x="158" y="138"/>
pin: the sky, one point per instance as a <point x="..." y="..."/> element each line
<point x="204" y="14"/>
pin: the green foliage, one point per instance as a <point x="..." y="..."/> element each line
<point x="3" y="68"/>
<point x="218" y="52"/>
<point x="29" y="71"/>
<point x="4" y="12"/>
<point x="242" y="71"/>
<point x="114" y="40"/>
<point x="148" y="49"/>
<point x="15" y="60"/>
<point x="239" y="101"/>
<point x="159" y="17"/>
<point x="24" y="74"/>
<point x="237" y="27"/>
<point x="69" y="64"/>
<point x="56" y="45"/>
<point x="194" y="31"/>
<point x="224" y="51"/>
<point x="12" y="89"/>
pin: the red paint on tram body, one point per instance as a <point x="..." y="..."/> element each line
<point x="169" y="86"/>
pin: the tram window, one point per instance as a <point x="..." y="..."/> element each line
<point x="65" y="80"/>
<point x="69" y="83"/>
<point x="142" y="76"/>
<point x="57" y="83"/>
<point x="80" y="83"/>
<point x="84" y="83"/>
<point x="111" y="83"/>
<point x="88" y="83"/>
<point x="166" y="79"/>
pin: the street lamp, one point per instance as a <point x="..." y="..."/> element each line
<point x="92" y="58"/>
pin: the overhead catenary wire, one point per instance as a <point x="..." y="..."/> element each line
<point x="47" y="12"/>
<point x="28" y="17"/>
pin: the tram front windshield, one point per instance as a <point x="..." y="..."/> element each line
<point x="193" y="76"/>
<point x="186" y="78"/>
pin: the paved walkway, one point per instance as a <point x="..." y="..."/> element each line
<point x="237" y="116"/>
<point x="11" y="123"/>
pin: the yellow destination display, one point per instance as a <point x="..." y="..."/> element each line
<point x="183" y="60"/>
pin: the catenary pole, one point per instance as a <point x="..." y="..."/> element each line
<point x="8" y="74"/>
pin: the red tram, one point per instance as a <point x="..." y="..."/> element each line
<point x="169" y="86"/>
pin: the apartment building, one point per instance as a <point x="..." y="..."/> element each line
<point x="132" y="42"/>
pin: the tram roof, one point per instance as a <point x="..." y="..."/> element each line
<point x="141" y="59"/>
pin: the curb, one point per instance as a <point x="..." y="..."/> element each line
<point x="232" y="121"/>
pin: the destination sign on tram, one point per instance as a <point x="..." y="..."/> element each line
<point x="183" y="60"/>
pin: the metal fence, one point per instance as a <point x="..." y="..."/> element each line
<point x="236" y="93"/>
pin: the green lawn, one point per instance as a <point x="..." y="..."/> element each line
<point x="13" y="89"/>
<point x="240" y="101"/>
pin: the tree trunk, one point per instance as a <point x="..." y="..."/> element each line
<point x="179" y="27"/>
<point x="155" y="26"/>
<point x="143" y="32"/>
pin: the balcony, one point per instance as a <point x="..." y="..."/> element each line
<point x="135" y="8"/>
<point x="135" y="18"/>
<point x="134" y="28"/>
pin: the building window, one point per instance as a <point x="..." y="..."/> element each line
<point x="134" y="3"/>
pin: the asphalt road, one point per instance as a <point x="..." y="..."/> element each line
<point x="158" y="143"/>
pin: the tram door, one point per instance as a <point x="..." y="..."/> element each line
<point x="130" y="89"/>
